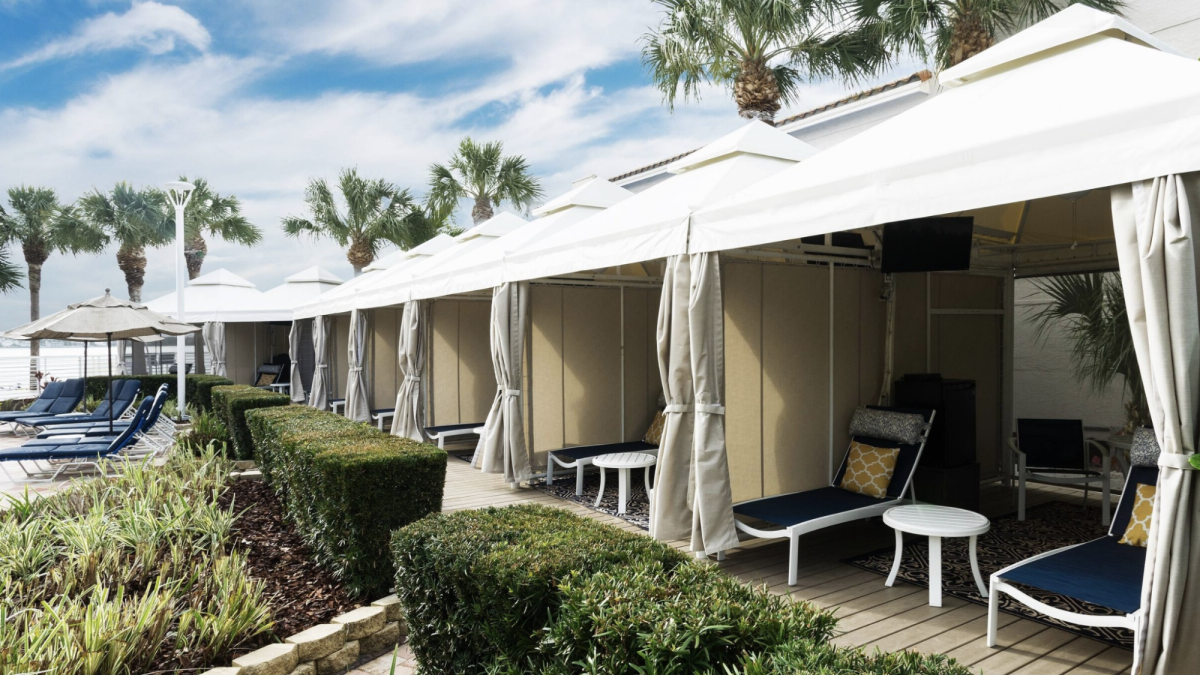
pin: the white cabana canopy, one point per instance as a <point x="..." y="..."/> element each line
<point x="220" y="295"/>
<point x="344" y="298"/>
<point x="1081" y="101"/>
<point x="391" y="287"/>
<point x="301" y="288"/>
<point x="483" y="268"/>
<point x="654" y="223"/>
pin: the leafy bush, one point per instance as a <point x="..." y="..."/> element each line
<point x="805" y="658"/>
<point x="232" y="401"/>
<point x="346" y="486"/>
<point x="111" y="576"/>
<point x="480" y="585"/>
<point x="199" y="387"/>
<point x="207" y="429"/>
<point x="531" y="589"/>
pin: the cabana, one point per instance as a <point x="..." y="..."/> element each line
<point x="460" y="327"/>
<point x="238" y="333"/>
<point x="301" y="288"/>
<point x="1081" y="106"/>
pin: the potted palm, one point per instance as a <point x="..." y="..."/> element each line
<point x="1090" y="308"/>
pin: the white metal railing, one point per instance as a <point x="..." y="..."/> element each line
<point x="23" y="375"/>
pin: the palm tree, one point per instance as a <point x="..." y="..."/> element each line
<point x="762" y="49"/>
<point x="481" y="172"/>
<point x="949" y="32"/>
<point x="376" y="212"/>
<point x="40" y="224"/>
<point x="208" y="213"/>
<point x="135" y="219"/>
<point x="1090" y="308"/>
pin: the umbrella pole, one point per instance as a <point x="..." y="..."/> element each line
<point x="110" y="395"/>
<point x="85" y="363"/>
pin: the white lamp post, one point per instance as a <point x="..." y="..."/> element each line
<point x="179" y="193"/>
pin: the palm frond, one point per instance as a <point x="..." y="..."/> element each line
<point x="130" y="217"/>
<point x="10" y="273"/>
<point x="481" y="170"/>
<point x="210" y="213"/>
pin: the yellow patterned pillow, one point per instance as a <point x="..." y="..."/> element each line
<point x="869" y="469"/>
<point x="1137" y="533"/>
<point x="654" y="433"/>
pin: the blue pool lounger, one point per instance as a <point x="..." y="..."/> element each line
<point x="792" y="515"/>
<point x="444" y="433"/>
<point x="69" y="396"/>
<point x="75" y="455"/>
<point x="124" y="393"/>
<point x="580" y="457"/>
<point x="1102" y="572"/>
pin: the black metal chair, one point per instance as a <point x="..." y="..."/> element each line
<point x="267" y="375"/>
<point x="1056" y="452"/>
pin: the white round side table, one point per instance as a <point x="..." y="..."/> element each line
<point x="623" y="462"/>
<point x="936" y="522"/>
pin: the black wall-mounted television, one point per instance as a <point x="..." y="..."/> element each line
<point x="928" y="245"/>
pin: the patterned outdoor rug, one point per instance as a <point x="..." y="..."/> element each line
<point x="637" y="508"/>
<point x="1046" y="527"/>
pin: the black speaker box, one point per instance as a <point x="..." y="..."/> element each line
<point x="952" y="439"/>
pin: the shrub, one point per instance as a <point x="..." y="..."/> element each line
<point x="480" y="585"/>
<point x="804" y="658"/>
<point x="231" y="403"/>
<point x="207" y="429"/>
<point x="346" y="486"/>
<point x="111" y="576"/>
<point x="199" y="387"/>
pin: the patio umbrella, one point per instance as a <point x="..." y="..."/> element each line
<point x="102" y="318"/>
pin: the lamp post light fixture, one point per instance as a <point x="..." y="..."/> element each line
<point x="179" y="193"/>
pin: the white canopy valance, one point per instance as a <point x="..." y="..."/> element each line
<point x="1083" y="100"/>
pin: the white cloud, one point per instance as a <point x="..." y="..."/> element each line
<point x="145" y="25"/>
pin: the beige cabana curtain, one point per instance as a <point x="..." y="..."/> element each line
<point x="319" y="396"/>
<point x="1154" y="222"/>
<point x="409" y="419"/>
<point x="214" y="340"/>
<point x="502" y="446"/>
<point x="119" y="349"/>
<point x="358" y="408"/>
<point x="692" y="497"/>
<point x="295" y="378"/>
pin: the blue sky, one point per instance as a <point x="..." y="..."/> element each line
<point x="258" y="96"/>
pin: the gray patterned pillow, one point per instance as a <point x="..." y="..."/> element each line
<point x="888" y="425"/>
<point x="1145" y="449"/>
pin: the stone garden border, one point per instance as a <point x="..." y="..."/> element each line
<point x="329" y="648"/>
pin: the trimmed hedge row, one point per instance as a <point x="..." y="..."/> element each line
<point x="231" y="403"/>
<point x="346" y="486"/>
<point x="198" y="387"/>
<point x="535" y="589"/>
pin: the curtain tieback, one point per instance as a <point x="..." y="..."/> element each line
<point x="508" y="392"/>
<point x="412" y="378"/>
<point x="679" y="408"/>
<point x="710" y="408"/>
<point x="1174" y="461"/>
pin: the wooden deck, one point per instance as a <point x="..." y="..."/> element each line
<point x="870" y="614"/>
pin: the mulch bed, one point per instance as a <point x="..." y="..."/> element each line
<point x="302" y="593"/>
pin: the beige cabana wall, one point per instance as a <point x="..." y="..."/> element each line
<point x="246" y="348"/>
<point x="786" y="417"/>
<point x="574" y="366"/>
<point x="462" y="381"/>
<point x="964" y="340"/>
<point x="777" y="370"/>
<point x="384" y="326"/>
<point x="339" y="345"/>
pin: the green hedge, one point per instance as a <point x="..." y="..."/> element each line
<point x="347" y="486"/>
<point x="231" y="403"/>
<point x="534" y="589"/>
<point x="198" y="387"/>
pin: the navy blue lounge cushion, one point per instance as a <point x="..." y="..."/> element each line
<point x="801" y="507"/>
<point x="1101" y="572"/>
<point x="40" y="405"/>
<point x="585" y="451"/>
<point x="433" y="431"/>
